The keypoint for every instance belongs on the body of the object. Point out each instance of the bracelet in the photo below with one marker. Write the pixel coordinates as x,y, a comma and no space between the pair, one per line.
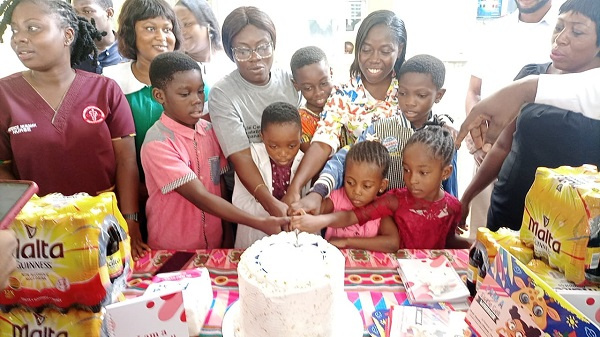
256,188
131,216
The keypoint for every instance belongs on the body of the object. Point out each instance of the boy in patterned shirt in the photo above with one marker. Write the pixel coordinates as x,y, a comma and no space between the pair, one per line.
312,77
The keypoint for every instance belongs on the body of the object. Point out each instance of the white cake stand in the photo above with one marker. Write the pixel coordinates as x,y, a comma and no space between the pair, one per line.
348,322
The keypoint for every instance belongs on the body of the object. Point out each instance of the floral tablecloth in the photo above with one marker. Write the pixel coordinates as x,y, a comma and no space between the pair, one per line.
371,279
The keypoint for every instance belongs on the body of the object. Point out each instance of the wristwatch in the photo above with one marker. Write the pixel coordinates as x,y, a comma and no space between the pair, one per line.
131,216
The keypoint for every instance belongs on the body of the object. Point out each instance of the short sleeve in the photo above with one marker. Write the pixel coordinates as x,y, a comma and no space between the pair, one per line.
120,121
329,127
579,92
163,163
227,122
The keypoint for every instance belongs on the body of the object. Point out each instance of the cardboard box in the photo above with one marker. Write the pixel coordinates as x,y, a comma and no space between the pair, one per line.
513,298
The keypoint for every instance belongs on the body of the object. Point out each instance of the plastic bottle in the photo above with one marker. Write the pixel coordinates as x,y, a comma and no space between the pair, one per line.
113,254
475,261
592,271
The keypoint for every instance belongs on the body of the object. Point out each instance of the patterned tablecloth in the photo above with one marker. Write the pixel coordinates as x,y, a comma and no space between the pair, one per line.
371,279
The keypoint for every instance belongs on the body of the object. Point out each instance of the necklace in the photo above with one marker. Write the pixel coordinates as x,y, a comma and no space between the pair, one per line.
198,176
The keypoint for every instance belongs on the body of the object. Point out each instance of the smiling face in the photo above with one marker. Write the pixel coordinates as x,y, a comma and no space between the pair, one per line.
416,95
314,81
574,46
195,34
282,141
153,36
183,97
38,38
423,174
363,181
256,71
377,54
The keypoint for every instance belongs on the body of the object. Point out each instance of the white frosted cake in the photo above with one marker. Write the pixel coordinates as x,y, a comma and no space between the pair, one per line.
289,290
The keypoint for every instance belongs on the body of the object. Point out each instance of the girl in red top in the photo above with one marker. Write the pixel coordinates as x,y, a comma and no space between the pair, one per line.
425,214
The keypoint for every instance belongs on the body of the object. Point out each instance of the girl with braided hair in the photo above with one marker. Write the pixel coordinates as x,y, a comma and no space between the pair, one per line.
68,130
426,215
366,167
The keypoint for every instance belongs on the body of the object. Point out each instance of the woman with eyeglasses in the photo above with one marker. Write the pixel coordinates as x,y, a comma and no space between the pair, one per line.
202,41
238,100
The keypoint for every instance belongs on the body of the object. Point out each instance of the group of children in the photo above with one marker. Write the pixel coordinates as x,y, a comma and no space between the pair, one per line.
359,215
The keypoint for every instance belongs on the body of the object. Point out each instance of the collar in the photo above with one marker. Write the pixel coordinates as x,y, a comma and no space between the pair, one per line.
548,19
201,127
112,49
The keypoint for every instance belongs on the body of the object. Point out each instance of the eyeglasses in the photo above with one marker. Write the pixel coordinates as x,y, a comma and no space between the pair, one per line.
244,54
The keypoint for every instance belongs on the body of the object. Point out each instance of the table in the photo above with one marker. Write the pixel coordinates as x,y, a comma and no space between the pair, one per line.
371,281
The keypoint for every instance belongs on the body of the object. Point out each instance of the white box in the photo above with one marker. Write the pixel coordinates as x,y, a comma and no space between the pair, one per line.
173,300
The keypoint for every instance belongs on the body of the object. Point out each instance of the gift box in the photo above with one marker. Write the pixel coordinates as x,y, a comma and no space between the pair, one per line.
514,299
175,304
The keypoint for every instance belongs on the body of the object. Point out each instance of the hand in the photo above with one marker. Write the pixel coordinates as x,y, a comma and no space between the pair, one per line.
488,118
463,227
8,264
476,127
274,225
276,208
138,247
340,243
290,197
307,223
479,156
310,204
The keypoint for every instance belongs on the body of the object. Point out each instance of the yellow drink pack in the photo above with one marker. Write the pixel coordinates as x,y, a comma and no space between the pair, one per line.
72,251
51,323
560,208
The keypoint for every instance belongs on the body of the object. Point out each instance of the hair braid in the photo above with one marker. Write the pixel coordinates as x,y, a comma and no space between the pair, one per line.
370,152
437,139
84,32
6,10
84,44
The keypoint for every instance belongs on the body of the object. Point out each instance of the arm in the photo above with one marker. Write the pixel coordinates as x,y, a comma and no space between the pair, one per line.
196,193
488,171
330,178
127,186
310,165
473,93
325,142
315,223
253,182
227,226
127,181
487,118
8,244
387,239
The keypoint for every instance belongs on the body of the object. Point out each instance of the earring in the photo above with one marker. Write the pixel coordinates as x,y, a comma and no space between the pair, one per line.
437,100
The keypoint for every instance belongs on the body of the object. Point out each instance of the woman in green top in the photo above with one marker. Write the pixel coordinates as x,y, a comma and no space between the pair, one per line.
147,28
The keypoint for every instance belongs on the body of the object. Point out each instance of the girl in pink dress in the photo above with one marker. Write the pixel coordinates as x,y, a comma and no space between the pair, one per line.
426,216
367,164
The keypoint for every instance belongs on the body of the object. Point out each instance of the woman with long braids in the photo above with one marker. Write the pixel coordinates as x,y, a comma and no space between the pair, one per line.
69,131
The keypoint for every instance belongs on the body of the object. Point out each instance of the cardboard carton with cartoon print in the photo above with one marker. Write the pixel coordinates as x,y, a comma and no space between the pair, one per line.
514,301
